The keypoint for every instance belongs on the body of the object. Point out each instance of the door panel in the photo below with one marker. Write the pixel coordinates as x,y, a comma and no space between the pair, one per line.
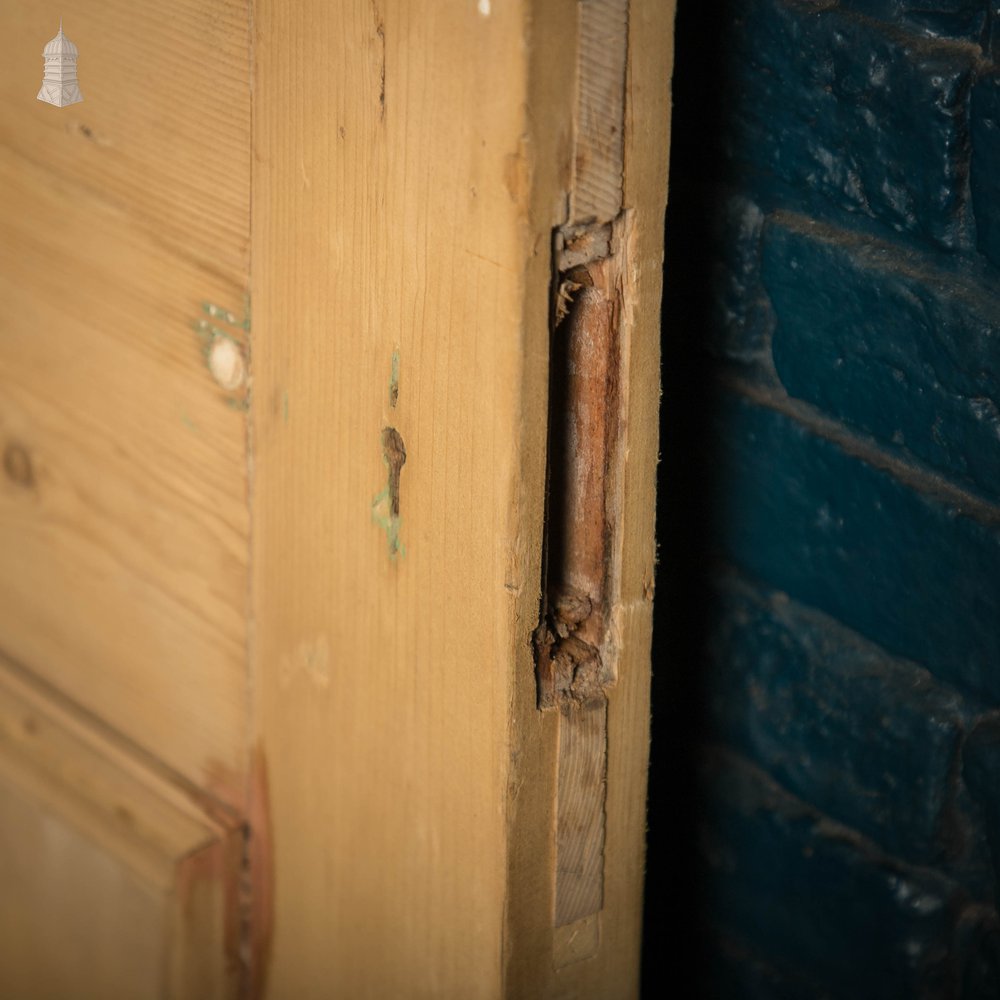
124,235
114,884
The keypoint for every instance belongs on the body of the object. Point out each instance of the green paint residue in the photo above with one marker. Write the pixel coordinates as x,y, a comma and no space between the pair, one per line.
385,506
227,316
394,379
208,333
382,516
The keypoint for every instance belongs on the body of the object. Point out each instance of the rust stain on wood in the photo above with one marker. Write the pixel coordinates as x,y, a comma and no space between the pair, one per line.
218,864
250,904
394,380
575,643
385,506
259,873
395,456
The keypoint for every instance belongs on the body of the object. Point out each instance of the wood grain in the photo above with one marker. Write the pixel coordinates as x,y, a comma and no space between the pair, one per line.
411,163
577,643
598,956
580,794
114,883
124,526
390,243
596,194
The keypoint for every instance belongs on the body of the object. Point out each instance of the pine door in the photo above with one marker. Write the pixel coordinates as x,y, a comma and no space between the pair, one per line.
328,395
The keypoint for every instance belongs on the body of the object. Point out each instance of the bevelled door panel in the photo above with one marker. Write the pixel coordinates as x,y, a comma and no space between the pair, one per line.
113,883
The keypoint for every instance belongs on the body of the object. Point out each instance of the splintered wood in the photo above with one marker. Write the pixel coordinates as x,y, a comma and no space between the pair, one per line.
576,645
575,650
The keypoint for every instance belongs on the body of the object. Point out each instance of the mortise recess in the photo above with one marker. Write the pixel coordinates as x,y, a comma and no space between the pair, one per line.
576,641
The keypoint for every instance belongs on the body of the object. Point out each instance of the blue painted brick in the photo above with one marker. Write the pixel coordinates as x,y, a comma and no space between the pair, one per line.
874,338
981,769
739,326
984,174
908,570
991,36
812,897
737,973
970,858
867,739
964,19
850,117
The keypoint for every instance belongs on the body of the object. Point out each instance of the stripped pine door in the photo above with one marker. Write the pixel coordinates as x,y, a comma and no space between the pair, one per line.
328,395
124,527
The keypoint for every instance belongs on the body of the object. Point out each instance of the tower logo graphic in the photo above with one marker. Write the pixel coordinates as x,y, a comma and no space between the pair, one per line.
59,86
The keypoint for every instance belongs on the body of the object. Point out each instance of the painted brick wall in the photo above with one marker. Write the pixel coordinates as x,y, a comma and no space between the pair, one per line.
826,736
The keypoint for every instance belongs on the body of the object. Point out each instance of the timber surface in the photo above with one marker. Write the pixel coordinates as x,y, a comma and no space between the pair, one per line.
124,526
580,794
598,956
410,167
114,883
599,155
410,162
389,249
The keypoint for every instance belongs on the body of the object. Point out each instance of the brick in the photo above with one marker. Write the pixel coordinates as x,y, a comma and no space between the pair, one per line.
739,325
814,899
981,769
875,338
911,571
971,860
848,118
984,177
991,36
870,740
964,19
735,971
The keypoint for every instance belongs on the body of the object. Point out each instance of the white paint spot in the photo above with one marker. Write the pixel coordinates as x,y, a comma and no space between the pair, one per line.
225,362
310,658
484,7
